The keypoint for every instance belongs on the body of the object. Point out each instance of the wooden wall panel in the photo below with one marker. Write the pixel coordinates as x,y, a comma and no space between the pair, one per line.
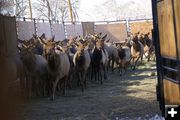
88,28
142,27
116,32
171,93
10,35
166,29
2,39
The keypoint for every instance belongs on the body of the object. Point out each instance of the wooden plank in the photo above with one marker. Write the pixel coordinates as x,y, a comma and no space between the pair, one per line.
116,32
2,39
171,93
177,16
166,29
142,27
10,35
88,28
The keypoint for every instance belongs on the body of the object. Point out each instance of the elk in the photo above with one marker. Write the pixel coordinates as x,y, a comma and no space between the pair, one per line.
137,51
81,62
36,70
58,65
99,59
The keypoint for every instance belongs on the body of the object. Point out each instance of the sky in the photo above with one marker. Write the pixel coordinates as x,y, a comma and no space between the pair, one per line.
99,10
112,10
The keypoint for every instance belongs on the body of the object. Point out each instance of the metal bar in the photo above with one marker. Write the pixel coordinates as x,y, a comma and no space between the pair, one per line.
170,79
123,20
170,69
159,1
169,58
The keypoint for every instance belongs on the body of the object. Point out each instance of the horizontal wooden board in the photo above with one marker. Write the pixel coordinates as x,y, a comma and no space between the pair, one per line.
171,93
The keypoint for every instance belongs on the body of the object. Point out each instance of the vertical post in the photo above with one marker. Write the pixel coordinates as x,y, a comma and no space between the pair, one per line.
127,26
30,9
35,26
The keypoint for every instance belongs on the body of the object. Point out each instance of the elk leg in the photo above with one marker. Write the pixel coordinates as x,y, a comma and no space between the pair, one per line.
112,67
65,82
85,77
81,82
54,88
136,63
105,72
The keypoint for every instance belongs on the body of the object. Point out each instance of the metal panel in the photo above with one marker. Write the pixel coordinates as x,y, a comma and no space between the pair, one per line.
58,31
116,32
74,30
44,28
25,29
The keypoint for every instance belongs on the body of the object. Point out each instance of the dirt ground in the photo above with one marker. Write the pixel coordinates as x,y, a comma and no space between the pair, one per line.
132,96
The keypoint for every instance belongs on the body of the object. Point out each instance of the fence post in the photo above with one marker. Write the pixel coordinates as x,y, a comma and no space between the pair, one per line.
128,30
35,26
50,23
64,27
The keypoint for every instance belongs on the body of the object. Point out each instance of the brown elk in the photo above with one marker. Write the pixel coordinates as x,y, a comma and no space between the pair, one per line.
137,51
36,71
58,65
124,57
81,62
99,59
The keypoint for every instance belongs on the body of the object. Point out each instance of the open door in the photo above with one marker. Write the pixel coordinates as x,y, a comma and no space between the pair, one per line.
166,22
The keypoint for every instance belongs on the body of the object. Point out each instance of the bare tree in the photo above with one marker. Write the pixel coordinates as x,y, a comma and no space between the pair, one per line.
54,9
6,7
20,8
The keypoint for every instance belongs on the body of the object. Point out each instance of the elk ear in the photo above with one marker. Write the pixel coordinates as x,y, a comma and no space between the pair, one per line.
34,36
108,40
104,37
58,42
19,48
43,36
42,41
86,43
25,46
20,41
99,34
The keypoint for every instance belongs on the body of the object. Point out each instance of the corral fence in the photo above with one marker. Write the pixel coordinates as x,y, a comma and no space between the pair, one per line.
23,28
116,30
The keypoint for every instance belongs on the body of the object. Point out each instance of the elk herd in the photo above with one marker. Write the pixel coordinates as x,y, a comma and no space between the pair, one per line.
45,66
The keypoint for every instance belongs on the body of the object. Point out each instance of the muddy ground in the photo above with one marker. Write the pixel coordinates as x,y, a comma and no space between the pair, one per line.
132,96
